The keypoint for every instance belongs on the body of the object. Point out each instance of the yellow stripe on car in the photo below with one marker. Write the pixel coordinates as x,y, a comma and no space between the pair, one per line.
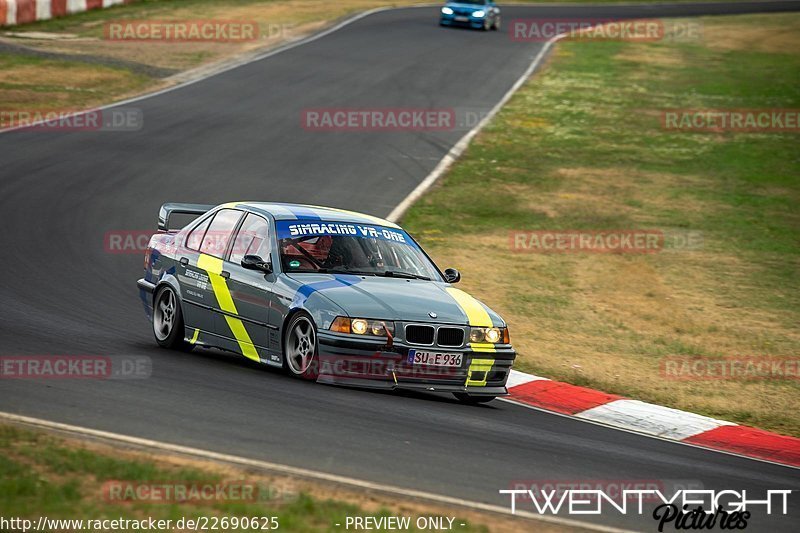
194,337
479,365
483,347
213,266
476,314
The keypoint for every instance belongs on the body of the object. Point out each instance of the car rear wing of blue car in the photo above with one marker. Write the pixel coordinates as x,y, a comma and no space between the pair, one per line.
169,209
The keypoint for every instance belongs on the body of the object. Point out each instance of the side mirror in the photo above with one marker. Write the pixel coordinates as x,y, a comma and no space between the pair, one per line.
254,262
451,275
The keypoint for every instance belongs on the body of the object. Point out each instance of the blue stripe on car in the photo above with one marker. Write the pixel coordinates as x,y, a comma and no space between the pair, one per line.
305,291
303,212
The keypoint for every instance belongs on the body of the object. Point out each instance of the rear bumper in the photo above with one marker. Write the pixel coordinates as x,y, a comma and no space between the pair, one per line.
369,363
146,289
145,285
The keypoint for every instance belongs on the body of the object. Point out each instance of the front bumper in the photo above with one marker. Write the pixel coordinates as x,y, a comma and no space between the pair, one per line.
368,362
461,20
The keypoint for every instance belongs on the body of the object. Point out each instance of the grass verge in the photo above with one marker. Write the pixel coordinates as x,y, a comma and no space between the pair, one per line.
581,146
66,479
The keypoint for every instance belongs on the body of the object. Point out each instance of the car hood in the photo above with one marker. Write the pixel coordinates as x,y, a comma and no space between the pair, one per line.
393,299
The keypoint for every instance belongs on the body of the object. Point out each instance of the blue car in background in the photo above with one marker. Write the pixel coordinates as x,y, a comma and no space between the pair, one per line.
478,14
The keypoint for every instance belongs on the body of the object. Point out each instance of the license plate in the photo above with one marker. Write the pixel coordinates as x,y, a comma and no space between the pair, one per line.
462,19
419,357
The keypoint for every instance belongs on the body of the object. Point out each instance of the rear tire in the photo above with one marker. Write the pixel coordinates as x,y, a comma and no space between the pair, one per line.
301,348
463,397
168,320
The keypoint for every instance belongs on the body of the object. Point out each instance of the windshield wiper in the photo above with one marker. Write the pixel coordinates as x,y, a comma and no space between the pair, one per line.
345,270
405,275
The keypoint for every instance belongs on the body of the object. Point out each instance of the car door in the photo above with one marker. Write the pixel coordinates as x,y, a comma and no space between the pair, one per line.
218,304
252,290
196,290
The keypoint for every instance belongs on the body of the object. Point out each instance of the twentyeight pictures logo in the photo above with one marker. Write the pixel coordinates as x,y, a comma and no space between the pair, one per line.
683,509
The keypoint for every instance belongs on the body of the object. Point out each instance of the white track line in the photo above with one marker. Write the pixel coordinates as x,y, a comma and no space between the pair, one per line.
458,149
295,471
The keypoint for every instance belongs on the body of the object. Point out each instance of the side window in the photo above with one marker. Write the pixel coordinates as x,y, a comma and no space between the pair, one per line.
216,239
195,238
252,239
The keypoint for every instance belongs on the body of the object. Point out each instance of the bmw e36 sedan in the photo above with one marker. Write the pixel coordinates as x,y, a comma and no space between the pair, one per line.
326,294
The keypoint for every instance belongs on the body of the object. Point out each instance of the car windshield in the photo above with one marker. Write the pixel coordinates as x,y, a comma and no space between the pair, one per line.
473,2
313,246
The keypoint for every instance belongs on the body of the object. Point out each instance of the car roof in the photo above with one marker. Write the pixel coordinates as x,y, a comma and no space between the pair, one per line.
285,211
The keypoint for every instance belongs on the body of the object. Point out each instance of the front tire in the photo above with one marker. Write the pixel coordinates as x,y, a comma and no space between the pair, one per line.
300,347
463,397
168,320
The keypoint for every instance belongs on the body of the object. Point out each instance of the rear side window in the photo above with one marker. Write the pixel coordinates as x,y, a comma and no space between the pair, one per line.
252,239
216,239
195,238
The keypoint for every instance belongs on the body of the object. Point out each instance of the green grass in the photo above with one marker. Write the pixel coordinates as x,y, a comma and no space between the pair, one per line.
581,146
41,475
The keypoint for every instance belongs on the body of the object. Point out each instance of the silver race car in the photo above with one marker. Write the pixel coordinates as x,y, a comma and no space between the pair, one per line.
331,295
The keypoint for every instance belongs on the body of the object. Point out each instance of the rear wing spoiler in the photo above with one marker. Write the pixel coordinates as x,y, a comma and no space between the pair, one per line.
169,209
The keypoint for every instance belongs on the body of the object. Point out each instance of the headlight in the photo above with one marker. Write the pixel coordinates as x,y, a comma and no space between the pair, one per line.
478,14
447,11
490,335
363,326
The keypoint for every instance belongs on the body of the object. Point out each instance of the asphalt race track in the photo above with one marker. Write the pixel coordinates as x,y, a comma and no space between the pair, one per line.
237,136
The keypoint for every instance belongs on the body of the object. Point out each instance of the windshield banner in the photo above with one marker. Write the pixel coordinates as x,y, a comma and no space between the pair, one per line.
293,229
